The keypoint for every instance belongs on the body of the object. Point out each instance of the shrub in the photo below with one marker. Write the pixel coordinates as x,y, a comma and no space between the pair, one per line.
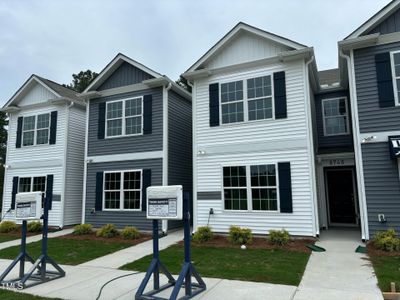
107,231
34,226
240,236
130,233
7,226
387,240
82,229
278,237
203,234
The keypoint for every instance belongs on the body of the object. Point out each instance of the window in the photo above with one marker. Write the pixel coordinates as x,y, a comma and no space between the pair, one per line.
122,190
35,130
395,60
32,184
250,188
335,116
124,117
255,104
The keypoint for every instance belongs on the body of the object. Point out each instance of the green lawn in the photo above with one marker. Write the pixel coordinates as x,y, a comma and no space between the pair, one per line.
69,251
387,269
9,295
274,266
6,238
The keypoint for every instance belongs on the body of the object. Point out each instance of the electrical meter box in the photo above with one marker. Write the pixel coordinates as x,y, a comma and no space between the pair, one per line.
28,206
164,202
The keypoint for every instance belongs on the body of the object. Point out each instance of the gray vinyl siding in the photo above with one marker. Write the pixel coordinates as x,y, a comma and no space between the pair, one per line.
126,144
328,144
382,187
126,74
389,25
372,118
119,218
179,145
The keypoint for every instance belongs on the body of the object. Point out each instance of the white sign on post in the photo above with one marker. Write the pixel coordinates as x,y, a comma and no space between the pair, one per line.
164,202
28,206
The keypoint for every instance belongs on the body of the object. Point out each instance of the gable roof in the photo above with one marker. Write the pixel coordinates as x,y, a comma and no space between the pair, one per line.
114,65
240,27
58,90
375,19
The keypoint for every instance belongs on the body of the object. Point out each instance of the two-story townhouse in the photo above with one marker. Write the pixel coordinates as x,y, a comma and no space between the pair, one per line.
138,134
45,148
370,59
253,153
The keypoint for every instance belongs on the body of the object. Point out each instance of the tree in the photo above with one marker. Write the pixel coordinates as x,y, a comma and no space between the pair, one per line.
182,82
81,80
3,150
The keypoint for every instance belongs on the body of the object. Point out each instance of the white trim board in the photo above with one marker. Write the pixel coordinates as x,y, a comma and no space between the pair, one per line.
124,157
377,137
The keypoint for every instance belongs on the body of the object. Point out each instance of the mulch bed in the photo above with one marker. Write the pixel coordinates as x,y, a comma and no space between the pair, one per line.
219,241
118,239
18,232
373,251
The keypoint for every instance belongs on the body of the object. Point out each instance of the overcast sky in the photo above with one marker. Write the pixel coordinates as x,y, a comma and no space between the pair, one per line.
57,38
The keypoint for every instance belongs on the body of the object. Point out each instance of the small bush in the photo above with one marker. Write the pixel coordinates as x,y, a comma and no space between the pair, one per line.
278,237
82,229
107,231
34,226
7,226
130,233
387,240
240,236
203,234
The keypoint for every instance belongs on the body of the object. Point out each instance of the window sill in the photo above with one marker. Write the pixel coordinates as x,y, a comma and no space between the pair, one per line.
35,146
121,210
268,212
122,136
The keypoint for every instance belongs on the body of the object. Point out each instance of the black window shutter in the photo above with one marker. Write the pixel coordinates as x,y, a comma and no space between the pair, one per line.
146,183
102,121
214,104
53,127
285,187
14,192
147,114
99,191
19,132
384,79
49,189
280,95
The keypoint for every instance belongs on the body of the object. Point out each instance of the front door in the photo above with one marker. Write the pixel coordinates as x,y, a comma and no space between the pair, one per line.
340,194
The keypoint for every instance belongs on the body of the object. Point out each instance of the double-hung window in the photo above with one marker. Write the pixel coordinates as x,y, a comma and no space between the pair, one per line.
259,96
32,184
232,104
124,117
395,61
35,130
335,116
250,188
122,190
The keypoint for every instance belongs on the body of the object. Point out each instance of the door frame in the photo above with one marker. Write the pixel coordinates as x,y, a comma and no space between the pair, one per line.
355,196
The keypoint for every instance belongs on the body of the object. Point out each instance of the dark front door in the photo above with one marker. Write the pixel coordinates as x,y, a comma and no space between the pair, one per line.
340,192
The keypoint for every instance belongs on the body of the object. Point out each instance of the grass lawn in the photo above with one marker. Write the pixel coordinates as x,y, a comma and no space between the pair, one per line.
71,250
10,295
262,265
387,270
6,237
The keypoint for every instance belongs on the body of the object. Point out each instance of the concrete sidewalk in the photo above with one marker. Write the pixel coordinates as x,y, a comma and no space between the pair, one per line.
340,272
35,238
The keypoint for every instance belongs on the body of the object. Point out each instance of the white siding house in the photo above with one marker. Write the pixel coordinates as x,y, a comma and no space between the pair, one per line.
253,156
46,137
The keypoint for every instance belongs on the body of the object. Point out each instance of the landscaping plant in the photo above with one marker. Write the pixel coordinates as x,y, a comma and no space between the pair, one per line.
82,229
34,226
7,226
387,240
240,236
107,231
130,233
203,234
278,237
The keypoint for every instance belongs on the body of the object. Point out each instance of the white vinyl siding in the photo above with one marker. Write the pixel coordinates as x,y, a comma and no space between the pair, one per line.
335,116
395,63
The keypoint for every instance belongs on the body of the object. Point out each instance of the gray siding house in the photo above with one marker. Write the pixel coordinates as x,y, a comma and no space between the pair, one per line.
138,134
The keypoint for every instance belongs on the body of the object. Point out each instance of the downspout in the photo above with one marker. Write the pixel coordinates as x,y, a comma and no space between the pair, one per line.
357,147
311,145
85,162
64,186
165,145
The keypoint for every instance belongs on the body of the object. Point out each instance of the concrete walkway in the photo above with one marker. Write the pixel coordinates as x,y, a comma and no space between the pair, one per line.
338,273
35,238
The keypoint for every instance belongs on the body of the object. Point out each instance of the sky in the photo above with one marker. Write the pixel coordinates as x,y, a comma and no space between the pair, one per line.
54,39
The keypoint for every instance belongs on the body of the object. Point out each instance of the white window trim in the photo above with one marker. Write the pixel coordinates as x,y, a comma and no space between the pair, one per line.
249,188
121,191
394,81
123,117
246,100
35,131
31,185
347,116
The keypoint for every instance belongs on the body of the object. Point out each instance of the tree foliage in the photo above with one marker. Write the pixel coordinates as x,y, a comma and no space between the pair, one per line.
3,150
182,82
82,80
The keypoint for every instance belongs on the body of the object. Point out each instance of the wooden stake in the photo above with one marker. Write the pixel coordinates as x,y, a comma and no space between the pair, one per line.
393,287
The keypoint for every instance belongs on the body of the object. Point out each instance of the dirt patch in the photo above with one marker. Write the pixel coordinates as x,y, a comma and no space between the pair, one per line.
92,237
219,241
373,251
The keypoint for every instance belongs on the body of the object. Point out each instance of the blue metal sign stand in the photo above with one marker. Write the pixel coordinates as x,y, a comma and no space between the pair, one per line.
42,275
